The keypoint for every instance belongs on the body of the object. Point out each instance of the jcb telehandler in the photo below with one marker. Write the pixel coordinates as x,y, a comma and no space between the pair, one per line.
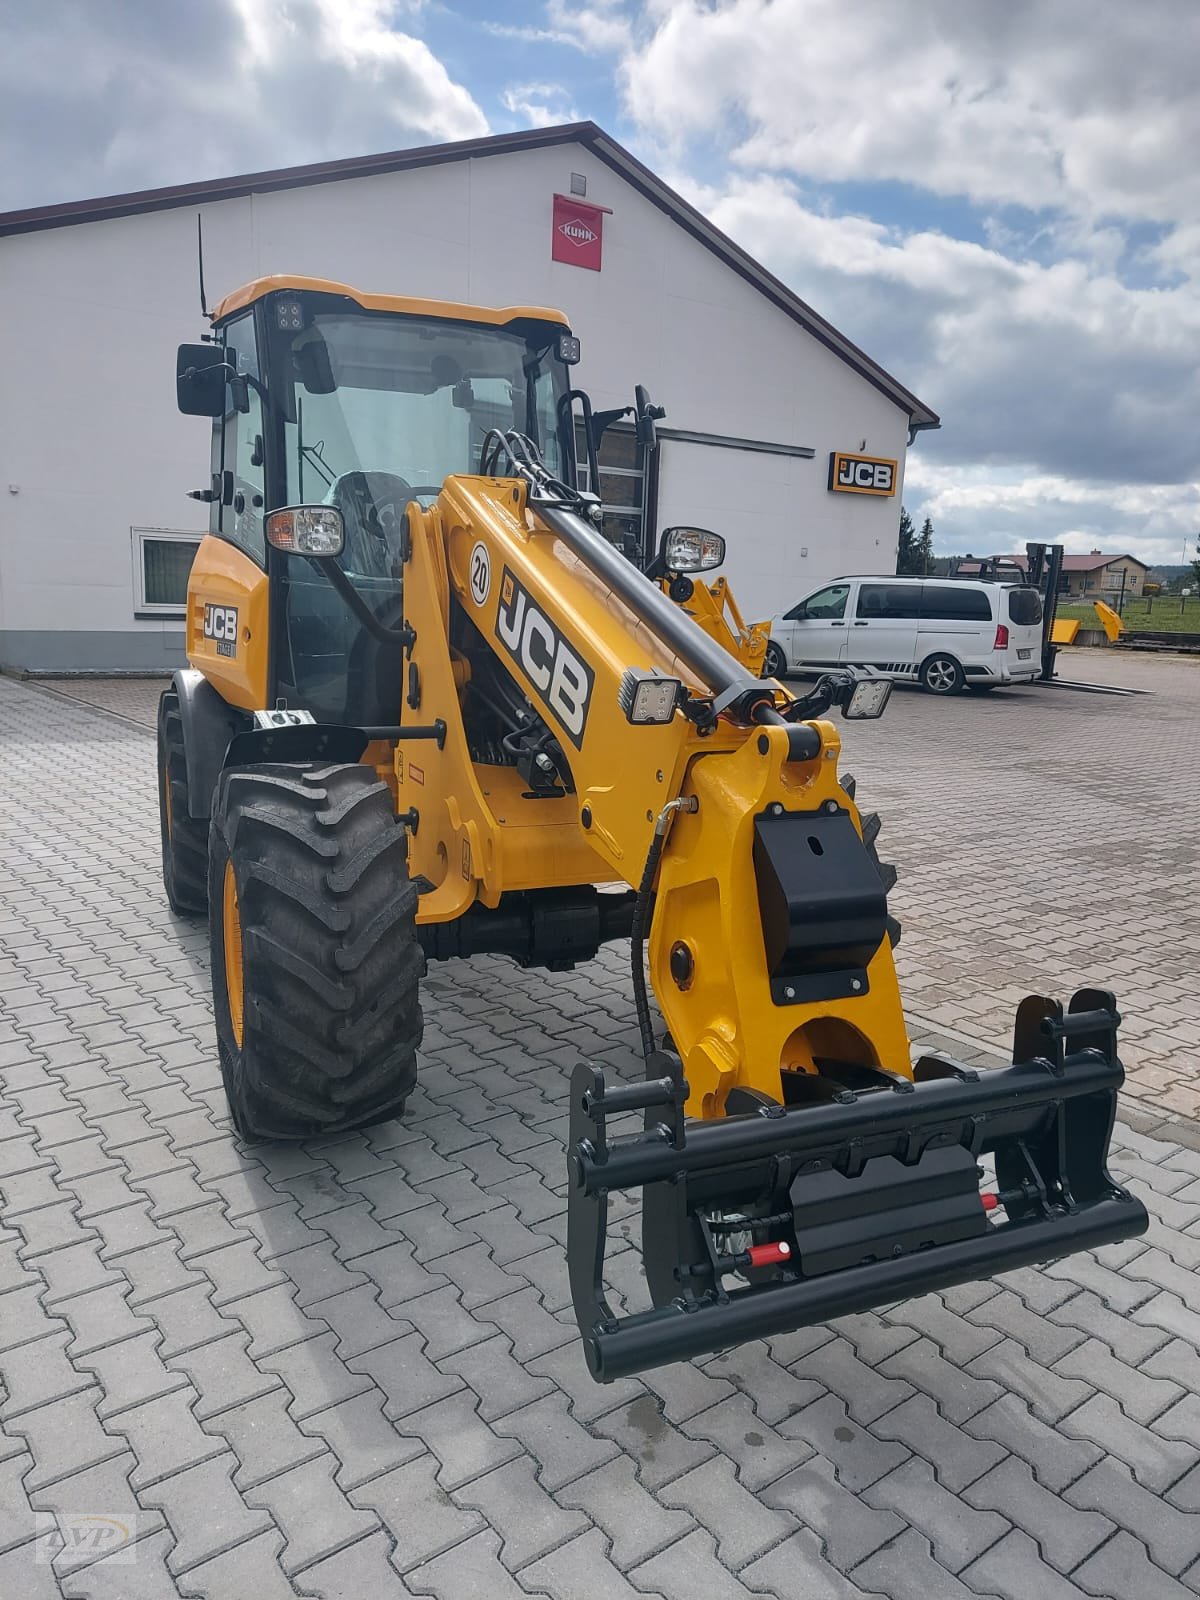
432,711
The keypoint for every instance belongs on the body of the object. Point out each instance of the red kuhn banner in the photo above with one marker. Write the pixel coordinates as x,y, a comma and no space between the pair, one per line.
578,235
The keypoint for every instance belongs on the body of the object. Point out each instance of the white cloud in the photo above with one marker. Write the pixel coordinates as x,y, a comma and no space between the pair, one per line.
204,88
539,105
991,511
601,28
1085,105
1060,367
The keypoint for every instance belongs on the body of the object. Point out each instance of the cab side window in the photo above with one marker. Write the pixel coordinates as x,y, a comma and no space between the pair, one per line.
242,448
827,605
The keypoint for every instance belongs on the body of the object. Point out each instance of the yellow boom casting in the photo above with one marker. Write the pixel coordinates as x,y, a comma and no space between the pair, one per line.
431,711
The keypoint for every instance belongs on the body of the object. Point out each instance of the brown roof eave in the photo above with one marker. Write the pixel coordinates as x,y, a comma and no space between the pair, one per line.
106,207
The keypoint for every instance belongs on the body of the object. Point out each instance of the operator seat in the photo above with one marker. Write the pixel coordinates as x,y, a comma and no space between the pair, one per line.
372,506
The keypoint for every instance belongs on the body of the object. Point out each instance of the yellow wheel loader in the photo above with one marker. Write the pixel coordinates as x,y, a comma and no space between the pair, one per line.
432,712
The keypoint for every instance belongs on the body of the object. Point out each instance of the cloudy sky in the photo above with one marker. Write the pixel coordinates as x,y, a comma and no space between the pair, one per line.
998,199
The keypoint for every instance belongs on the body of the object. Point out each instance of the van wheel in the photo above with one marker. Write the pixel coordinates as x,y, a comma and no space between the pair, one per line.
775,662
941,675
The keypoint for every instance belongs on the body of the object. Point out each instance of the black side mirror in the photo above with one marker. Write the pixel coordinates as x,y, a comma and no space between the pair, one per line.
646,415
200,374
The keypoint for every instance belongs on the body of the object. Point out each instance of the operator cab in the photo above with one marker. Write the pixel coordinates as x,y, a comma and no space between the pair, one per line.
320,395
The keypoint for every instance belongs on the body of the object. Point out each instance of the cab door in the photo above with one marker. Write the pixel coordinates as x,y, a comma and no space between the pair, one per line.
814,632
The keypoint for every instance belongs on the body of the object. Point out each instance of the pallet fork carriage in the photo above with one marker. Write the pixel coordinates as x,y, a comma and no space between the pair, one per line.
435,713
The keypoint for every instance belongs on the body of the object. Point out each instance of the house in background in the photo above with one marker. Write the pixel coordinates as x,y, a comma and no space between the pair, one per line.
1095,576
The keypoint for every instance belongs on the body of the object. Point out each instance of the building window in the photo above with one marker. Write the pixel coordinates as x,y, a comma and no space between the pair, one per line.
162,560
624,489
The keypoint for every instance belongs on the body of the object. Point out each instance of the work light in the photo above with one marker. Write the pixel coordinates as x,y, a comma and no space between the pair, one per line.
645,697
868,699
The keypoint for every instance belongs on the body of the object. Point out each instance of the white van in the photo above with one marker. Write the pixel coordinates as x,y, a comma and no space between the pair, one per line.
943,633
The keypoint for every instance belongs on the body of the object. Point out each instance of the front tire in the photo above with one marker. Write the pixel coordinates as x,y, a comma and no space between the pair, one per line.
942,675
315,961
774,662
184,837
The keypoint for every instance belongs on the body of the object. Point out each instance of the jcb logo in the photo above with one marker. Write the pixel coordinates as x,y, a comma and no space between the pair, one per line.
221,625
861,474
561,677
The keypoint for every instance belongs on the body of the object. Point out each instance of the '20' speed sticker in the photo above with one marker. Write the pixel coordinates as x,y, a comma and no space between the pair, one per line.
481,574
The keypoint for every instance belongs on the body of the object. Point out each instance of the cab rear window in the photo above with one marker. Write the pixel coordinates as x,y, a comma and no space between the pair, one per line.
1024,607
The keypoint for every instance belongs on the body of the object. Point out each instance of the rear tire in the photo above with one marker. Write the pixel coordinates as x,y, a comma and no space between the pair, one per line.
184,837
941,675
774,662
315,961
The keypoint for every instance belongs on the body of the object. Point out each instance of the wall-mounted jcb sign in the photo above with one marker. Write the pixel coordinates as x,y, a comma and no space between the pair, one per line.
861,474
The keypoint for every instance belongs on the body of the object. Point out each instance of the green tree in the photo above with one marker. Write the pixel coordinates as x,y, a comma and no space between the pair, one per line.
925,547
906,554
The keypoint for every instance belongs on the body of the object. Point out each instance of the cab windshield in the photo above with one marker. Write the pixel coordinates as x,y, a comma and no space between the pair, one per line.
383,407
372,411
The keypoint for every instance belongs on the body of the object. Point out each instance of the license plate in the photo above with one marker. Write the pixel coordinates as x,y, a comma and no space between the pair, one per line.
1024,655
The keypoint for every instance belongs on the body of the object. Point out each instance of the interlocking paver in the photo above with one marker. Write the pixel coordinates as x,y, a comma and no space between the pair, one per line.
1122,1567
297,1315
249,1571
743,1526
472,1567
65,1437
957,1535
311,1511
632,1518
222,1374
797,1570
164,1436
148,1577
362,1438
581,1570
908,1570
263,1437
130,1372
204,1511
1155,1461
849,1527
33,1373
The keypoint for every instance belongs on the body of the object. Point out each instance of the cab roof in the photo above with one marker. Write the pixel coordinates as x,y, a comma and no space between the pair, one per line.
499,317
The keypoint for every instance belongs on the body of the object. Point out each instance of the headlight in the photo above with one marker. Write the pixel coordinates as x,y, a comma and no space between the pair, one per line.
307,530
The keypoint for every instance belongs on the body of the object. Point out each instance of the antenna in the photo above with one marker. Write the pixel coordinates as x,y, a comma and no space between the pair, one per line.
200,261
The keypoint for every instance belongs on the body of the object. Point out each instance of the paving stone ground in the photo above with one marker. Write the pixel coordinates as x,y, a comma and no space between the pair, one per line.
349,1369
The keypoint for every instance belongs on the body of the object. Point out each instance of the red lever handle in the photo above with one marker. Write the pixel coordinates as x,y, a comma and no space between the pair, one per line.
769,1255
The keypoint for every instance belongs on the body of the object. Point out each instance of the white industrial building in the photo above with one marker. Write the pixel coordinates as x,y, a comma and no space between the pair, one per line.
763,397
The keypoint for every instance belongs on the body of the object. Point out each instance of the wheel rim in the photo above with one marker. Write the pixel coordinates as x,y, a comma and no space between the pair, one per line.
231,923
775,661
940,675
166,789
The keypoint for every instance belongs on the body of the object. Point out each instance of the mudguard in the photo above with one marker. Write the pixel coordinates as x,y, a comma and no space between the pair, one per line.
209,724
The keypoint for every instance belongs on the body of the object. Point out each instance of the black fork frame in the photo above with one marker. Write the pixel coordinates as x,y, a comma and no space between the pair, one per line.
1047,1119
